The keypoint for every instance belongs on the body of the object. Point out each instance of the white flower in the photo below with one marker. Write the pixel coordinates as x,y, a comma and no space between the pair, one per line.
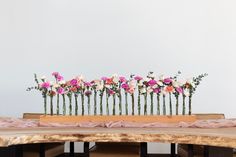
62,82
191,82
155,86
132,83
163,92
80,78
115,79
51,83
159,83
177,83
149,90
143,90
99,87
147,79
140,83
108,86
43,77
56,85
114,75
161,77
151,75
186,92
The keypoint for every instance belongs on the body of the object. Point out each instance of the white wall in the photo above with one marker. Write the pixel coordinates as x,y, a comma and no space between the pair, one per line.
101,37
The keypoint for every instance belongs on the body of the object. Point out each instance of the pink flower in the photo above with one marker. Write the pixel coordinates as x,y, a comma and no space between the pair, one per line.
122,79
138,78
87,84
60,90
73,82
157,90
45,85
125,86
179,90
152,82
167,80
55,74
104,78
111,92
59,78
131,90
88,93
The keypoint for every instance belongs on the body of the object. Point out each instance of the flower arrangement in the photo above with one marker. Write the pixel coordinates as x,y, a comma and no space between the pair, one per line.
151,92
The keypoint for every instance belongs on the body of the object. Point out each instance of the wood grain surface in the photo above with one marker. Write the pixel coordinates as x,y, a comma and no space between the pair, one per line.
224,137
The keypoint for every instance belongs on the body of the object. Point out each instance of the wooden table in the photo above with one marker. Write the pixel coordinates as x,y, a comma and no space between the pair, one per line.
221,137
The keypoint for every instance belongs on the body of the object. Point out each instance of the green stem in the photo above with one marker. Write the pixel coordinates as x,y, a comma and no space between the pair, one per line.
76,104
58,108
64,104
177,105
164,104
95,102
51,105
120,103
139,103
88,105
114,104
101,109
151,96
158,104
183,112
107,101
70,105
190,105
82,102
170,103
45,104
126,103
145,104
132,98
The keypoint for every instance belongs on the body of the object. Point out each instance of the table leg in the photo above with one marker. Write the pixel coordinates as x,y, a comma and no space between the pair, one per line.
143,151
206,151
172,150
41,150
190,150
18,151
86,149
72,149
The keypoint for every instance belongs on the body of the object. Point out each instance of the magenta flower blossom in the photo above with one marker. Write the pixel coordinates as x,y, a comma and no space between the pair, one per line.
122,79
111,92
156,90
55,74
104,78
73,82
45,85
179,90
59,78
138,78
60,90
87,84
125,86
152,82
88,93
167,80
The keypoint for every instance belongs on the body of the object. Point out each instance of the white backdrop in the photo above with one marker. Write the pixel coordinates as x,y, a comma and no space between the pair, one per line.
102,37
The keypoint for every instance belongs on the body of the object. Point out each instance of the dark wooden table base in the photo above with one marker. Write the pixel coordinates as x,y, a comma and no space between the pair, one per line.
209,151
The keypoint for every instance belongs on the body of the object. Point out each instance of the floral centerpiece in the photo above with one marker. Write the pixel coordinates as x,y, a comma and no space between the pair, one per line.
117,95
